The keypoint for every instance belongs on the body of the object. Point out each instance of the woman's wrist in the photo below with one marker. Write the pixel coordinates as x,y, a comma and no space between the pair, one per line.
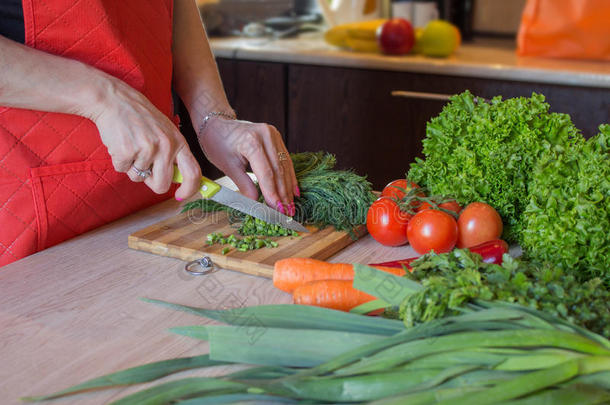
228,114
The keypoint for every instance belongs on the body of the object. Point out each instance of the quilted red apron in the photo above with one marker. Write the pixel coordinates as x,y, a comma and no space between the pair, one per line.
56,177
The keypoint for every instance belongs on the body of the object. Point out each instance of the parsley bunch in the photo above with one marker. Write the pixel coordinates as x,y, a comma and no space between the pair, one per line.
458,278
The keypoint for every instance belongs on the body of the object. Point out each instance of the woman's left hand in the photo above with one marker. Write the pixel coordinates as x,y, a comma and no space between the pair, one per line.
231,144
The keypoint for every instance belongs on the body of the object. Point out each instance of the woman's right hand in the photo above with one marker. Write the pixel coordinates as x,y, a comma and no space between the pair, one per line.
138,135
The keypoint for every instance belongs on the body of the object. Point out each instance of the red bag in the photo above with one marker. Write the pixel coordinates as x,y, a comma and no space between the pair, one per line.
574,29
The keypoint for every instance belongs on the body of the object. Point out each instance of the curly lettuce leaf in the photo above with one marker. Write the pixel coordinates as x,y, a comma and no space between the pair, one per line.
567,219
486,151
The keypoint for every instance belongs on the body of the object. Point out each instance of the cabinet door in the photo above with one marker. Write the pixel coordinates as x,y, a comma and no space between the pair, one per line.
256,90
352,114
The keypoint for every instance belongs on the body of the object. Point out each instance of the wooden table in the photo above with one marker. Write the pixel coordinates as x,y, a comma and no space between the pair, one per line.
72,312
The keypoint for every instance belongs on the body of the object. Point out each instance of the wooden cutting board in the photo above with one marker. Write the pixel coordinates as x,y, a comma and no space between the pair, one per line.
184,237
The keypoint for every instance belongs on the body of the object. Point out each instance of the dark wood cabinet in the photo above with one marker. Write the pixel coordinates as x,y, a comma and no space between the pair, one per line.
351,112
256,90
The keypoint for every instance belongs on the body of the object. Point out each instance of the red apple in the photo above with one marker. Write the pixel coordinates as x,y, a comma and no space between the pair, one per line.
396,36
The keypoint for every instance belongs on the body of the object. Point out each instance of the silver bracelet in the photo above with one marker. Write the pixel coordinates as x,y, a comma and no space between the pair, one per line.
222,114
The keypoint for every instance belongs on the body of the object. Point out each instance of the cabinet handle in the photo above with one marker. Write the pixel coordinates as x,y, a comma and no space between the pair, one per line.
429,96
417,94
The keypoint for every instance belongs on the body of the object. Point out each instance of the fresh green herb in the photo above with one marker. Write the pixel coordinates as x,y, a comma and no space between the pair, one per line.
452,280
478,151
567,220
328,197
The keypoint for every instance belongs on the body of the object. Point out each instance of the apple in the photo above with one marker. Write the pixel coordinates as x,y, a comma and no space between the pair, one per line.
396,36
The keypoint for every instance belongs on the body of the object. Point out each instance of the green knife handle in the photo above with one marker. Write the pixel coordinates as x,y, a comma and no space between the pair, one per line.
208,187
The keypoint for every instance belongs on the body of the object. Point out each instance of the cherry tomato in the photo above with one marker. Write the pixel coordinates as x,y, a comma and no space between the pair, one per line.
386,223
478,223
392,189
432,230
449,205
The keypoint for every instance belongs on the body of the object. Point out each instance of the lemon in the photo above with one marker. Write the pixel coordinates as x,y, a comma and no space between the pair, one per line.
439,38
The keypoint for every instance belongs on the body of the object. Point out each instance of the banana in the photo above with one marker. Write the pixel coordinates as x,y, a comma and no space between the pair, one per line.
360,36
365,30
362,45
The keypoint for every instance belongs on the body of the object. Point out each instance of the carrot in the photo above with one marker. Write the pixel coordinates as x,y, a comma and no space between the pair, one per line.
292,272
334,294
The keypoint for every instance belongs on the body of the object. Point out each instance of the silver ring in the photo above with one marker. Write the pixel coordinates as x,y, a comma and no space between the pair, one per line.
142,173
282,156
205,263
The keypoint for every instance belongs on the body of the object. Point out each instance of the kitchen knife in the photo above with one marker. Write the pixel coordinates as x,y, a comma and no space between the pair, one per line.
225,196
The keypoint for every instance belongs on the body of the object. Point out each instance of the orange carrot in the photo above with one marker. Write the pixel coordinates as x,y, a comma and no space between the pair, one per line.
292,272
334,294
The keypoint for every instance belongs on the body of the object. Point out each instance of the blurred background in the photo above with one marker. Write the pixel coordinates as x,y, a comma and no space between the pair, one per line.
474,18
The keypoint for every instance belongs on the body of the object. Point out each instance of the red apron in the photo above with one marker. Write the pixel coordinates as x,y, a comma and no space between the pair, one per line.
56,177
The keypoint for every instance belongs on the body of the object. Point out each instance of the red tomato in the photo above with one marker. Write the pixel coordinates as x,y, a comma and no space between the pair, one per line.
432,230
478,223
386,223
392,189
449,205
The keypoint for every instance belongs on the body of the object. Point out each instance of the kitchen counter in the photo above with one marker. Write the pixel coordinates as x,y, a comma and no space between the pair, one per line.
482,59
72,312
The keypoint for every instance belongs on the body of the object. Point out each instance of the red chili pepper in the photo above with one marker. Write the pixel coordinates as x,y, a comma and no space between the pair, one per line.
491,252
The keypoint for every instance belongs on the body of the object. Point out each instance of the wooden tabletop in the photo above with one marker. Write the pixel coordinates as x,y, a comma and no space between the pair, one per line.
72,312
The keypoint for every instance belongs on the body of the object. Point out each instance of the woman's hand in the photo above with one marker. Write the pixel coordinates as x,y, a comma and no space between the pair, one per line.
231,144
138,135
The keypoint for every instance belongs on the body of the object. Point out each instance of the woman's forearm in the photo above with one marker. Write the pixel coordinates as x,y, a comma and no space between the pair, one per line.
37,80
133,130
196,77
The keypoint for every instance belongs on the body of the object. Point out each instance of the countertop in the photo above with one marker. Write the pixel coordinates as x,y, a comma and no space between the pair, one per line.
490,59
72,312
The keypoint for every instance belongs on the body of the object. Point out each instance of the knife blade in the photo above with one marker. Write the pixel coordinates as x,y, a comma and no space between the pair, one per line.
225,196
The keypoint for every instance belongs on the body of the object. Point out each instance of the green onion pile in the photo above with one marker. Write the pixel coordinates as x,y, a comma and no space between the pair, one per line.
243,245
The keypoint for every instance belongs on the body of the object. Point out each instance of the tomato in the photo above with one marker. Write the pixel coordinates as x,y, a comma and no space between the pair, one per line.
432,230
392,191
478,223
386,223
449,205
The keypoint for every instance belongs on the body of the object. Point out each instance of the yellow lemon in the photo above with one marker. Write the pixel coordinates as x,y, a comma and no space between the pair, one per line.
439,38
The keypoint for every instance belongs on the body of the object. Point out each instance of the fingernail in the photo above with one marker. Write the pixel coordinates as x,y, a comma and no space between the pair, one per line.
179,199
297,191
280,207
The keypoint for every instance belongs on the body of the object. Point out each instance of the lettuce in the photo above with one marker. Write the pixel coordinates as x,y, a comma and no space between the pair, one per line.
567,219
486,151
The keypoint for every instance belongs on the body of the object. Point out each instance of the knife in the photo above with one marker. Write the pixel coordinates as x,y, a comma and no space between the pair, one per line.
225,196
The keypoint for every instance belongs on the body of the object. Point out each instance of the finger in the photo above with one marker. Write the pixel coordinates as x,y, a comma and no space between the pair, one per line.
292,177
254,152
143,161
191,174
244,183
122,162
283,179
162,174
